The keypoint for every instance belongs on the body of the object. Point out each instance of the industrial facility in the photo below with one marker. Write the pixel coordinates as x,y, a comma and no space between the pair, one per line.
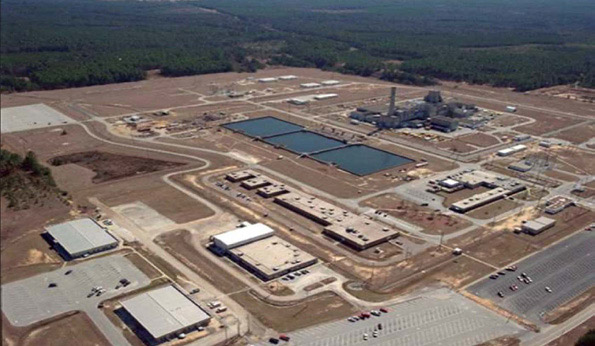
432,112
499,186
358,231
80,238
258,250
163,314
271,257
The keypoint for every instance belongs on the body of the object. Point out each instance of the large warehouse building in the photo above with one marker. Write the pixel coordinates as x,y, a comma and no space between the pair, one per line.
80,238
241,236
164,313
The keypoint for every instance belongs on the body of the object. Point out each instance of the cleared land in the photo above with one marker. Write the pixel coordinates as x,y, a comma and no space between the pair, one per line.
108,166
432,222
76,329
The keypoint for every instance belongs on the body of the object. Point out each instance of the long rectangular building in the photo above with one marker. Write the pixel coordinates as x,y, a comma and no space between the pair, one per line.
479,200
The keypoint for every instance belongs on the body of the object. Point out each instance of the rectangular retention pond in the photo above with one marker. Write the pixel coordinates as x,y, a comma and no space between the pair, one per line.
305,142
358,159
263,127
361,159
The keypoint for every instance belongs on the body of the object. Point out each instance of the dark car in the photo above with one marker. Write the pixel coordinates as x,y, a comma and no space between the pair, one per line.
68,272
493,276
53,284
274,341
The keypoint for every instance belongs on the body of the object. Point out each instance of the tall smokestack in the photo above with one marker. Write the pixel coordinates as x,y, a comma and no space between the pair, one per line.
391,107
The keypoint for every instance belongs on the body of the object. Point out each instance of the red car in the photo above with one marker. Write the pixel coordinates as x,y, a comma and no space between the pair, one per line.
284,337
383,310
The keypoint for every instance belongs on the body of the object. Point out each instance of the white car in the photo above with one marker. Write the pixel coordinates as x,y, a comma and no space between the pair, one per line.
366,336
375,334
548,290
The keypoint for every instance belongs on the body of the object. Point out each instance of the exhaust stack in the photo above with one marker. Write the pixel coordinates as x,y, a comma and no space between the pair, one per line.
391,107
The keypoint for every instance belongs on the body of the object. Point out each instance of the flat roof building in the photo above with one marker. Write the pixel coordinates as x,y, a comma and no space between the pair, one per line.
360,233
240,175
558,203
479,200
288,77
363,231
330,82
80,238
310,85
272,190
325,96
449,183
271,258
538,225
255,183
267,80
241,236
512,150
165,312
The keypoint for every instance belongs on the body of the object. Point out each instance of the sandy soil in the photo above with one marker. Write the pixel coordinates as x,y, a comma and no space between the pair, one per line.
431,221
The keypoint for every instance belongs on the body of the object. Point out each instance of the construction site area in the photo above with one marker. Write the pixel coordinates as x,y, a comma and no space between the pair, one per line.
240,208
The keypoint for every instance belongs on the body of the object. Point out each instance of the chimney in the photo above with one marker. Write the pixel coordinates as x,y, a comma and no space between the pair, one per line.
391,107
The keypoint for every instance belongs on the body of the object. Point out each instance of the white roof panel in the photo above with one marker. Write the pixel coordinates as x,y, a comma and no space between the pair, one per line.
164,311
80,235
243,234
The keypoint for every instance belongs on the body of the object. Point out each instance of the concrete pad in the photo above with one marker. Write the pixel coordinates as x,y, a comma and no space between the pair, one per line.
144,216
22,118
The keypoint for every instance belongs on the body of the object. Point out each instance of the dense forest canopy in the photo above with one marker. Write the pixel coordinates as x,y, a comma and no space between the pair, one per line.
524,44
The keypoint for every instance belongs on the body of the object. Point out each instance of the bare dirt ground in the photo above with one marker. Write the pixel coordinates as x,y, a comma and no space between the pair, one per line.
479,139
508,120
498,245
432,222
572,336
452,272
495,247
577,135
67,329
27,255
108,166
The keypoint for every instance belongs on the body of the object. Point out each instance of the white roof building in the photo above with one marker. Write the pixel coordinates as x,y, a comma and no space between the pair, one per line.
330,82
325,96
80,237
267,80
288,77
310,85
241,236
165,311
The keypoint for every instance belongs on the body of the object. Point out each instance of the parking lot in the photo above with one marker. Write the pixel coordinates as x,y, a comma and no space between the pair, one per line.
33,299
440,318
567,268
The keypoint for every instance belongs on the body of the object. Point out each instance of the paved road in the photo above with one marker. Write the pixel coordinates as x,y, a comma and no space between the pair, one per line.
440,318
568,268
31,300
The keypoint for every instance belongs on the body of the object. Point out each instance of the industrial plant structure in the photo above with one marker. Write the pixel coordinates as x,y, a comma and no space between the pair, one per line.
432,111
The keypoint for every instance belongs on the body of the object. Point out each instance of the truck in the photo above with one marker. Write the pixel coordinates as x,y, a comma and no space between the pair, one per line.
511,109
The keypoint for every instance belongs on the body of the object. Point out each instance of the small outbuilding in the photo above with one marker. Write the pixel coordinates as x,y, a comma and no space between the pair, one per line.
538,225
